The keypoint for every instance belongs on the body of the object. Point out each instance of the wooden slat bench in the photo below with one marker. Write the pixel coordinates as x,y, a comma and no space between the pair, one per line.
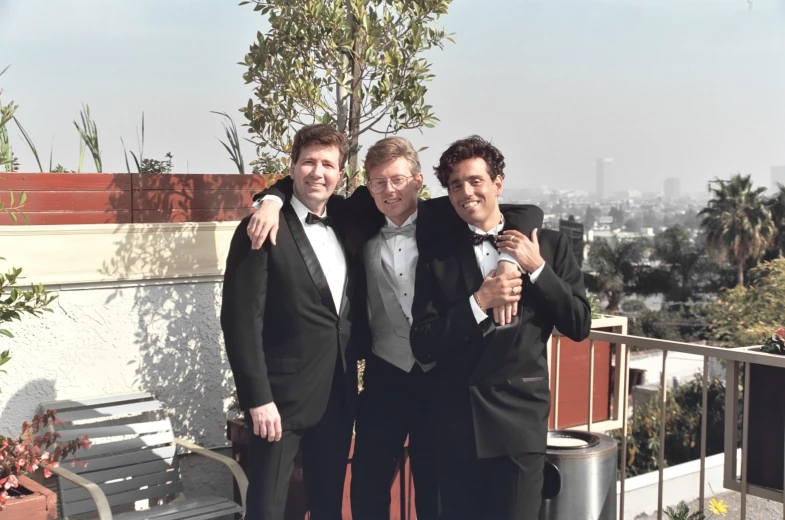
133,458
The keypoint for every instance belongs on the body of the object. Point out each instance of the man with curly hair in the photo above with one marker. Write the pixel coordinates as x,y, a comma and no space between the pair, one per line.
491,396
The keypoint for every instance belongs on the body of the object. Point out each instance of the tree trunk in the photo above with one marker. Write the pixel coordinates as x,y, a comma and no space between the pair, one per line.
740,279
354,111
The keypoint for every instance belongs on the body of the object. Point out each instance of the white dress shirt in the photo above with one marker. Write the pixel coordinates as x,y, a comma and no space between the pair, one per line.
328,251
487,259
399,258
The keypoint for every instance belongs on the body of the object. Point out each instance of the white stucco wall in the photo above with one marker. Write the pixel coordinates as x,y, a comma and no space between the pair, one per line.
163,336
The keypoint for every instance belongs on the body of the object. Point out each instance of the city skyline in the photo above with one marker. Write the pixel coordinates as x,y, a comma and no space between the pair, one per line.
668,88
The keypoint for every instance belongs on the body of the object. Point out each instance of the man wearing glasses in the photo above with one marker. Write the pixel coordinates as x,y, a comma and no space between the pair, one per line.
397,388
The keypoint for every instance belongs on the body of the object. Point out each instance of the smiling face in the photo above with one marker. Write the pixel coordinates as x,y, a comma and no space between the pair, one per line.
474,195
316,174
397,205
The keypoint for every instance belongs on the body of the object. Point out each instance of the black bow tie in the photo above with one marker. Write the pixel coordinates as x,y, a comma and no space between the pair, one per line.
310,218
478,239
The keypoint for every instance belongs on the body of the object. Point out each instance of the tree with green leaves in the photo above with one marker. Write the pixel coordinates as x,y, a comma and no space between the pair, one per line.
615,268
738,223
746,315
356,64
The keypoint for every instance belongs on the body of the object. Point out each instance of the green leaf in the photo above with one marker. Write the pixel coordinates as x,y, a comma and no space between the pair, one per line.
5,332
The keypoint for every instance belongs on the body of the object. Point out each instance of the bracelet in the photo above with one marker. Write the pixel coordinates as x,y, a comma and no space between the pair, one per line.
477,301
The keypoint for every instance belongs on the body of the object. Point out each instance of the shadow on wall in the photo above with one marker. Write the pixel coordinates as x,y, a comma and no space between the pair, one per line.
178,331
23,404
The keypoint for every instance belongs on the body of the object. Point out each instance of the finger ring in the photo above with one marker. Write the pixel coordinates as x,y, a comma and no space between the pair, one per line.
515,290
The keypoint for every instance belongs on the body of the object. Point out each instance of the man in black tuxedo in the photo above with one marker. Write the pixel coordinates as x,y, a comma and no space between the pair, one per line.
294,320
491,395
394,402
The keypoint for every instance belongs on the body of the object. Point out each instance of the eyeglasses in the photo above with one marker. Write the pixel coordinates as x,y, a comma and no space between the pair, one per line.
398,182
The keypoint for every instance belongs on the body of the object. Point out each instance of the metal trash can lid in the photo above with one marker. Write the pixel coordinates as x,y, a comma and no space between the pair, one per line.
577,443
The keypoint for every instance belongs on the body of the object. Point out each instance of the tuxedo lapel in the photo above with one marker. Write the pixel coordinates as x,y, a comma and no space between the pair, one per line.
309,257
472,275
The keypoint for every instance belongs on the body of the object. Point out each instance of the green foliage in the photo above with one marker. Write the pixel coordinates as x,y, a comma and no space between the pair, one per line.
268,164
594,305
156,166
15,302
424,192
682,512
682,427
138,159
744,315
88,133
356,64
30,143
615,268
235,154
738,222
674,323
62,169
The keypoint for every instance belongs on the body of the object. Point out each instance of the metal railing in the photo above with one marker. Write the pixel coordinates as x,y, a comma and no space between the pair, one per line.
734,359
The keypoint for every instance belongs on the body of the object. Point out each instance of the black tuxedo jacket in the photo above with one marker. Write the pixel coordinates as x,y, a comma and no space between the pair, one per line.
492,396
282,331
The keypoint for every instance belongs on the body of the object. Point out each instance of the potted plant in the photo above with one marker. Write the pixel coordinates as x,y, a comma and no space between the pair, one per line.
767,412
36,447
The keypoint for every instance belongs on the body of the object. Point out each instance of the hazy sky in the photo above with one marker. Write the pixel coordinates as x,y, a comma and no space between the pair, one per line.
685,88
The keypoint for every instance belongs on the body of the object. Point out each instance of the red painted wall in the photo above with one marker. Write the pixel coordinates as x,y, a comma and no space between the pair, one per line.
103,198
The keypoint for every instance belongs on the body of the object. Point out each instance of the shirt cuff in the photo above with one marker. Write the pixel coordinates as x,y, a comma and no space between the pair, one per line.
536,274
479,315
275,198
507,257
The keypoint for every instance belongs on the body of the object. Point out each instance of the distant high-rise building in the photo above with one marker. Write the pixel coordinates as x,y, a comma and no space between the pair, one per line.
777,177
672,188
603,169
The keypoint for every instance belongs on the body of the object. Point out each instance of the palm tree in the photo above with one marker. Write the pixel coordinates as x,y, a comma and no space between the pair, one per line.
615,267
737,222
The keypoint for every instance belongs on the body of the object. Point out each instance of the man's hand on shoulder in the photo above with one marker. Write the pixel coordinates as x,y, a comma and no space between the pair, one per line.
264,223
524,249
266,422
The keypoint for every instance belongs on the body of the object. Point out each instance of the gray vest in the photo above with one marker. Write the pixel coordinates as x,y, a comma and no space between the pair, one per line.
389,325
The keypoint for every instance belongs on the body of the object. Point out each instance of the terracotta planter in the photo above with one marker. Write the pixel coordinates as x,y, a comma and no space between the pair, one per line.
401,490
34,502
766,429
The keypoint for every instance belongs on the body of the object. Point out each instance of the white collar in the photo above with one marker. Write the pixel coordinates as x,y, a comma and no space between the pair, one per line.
411,220
493,231
302,210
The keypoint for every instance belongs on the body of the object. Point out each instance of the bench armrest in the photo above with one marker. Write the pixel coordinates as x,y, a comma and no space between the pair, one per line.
102,504
237,471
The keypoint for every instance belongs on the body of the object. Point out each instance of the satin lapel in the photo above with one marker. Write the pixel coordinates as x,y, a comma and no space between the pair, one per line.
309,257
469,268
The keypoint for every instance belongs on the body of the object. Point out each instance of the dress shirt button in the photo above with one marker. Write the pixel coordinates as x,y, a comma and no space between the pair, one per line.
339,327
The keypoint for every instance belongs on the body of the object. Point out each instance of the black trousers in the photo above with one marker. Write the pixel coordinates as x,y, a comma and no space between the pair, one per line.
392,405
500,488
325,451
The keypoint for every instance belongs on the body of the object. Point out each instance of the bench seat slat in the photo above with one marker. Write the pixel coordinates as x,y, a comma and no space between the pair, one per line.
85,506
124,472
66,404
127,459
136,408
204,507
76,494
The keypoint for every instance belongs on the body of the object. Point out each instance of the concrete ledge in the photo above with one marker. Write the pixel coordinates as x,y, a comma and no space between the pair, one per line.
90,253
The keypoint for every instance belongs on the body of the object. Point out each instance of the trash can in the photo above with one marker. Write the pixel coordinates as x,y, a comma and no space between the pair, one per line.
580,477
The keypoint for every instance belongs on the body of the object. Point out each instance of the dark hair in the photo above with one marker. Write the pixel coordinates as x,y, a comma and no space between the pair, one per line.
469,148
325,135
